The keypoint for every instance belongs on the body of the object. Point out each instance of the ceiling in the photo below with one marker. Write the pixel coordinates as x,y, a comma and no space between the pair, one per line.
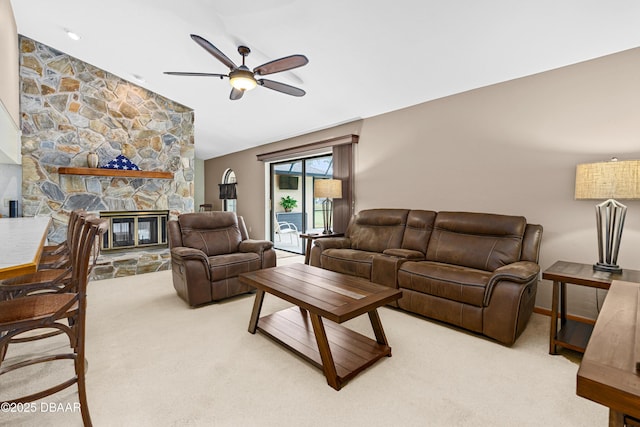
365,58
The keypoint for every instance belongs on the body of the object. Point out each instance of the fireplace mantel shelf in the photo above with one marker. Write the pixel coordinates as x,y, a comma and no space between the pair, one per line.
115,172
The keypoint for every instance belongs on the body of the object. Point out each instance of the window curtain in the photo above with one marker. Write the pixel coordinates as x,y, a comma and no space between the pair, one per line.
227,191
343,170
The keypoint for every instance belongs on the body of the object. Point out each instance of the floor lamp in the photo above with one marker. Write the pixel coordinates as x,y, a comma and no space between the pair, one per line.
609,180
328,189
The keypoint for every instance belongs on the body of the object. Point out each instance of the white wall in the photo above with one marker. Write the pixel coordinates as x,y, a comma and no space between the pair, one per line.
10,187
9,87
10,175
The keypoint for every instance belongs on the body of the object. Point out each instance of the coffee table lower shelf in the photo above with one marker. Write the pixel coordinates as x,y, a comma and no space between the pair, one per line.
351,351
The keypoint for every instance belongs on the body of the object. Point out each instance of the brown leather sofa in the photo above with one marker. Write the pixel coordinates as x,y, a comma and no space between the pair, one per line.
477,271
208,252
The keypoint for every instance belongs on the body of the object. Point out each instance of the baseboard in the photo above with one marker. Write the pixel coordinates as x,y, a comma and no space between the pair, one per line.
547,312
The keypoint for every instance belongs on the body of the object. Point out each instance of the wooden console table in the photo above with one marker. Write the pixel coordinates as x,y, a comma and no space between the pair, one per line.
609,373
573,334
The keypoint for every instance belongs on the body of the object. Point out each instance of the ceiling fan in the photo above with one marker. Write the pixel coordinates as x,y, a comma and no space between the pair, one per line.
242,78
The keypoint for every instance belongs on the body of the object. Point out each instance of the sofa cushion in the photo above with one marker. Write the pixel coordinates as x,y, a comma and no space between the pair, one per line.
348,261
451,282
214,233
476,240
231,265
375,230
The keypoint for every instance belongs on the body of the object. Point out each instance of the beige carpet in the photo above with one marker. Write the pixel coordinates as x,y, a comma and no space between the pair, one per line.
153,361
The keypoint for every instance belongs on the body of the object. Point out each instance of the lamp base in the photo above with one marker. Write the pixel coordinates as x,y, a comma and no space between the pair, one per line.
609,268
610,221
327,210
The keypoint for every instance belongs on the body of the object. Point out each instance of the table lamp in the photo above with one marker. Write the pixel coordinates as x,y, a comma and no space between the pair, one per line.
609,180
329,189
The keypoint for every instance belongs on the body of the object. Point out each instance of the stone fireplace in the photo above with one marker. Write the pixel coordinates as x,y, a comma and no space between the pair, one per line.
69,109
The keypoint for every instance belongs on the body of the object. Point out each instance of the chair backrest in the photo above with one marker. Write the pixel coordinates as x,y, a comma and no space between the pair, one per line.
86,246
73,219
214,233
285,227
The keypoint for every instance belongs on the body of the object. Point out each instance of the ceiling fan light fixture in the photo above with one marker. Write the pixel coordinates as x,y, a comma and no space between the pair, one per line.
242,79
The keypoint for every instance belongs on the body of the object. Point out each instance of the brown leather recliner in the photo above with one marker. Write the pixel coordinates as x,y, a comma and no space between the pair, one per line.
208,252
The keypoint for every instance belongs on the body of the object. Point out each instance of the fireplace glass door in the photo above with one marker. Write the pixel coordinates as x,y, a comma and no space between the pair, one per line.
148,231
123,232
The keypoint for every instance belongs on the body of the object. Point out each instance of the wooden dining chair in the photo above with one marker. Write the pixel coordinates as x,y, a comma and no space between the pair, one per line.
65,312
46,279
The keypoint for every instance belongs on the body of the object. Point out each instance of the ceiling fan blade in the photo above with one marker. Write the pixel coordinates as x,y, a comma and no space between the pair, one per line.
282,64
281,87
236,94
214,51
181,73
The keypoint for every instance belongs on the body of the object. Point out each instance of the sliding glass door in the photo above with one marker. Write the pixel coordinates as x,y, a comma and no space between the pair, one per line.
287,205
294,207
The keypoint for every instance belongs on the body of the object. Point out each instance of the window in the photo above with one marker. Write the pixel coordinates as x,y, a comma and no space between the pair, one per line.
229,177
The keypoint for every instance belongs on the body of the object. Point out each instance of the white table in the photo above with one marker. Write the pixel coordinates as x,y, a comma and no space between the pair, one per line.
21,243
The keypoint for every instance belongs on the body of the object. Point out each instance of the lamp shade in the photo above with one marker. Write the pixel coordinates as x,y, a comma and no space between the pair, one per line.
327,188
608,180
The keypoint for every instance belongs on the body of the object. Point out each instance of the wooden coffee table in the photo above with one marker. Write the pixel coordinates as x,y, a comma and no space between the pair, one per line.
340,352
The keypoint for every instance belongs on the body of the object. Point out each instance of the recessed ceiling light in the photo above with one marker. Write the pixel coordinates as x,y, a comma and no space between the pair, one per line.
138,78
71,34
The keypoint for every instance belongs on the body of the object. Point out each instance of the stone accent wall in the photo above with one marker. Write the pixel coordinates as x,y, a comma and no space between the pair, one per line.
70,108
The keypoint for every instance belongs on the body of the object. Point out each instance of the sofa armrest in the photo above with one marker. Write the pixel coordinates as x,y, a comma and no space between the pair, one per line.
407,254
257,246
191,275
332,243
521,272
186,253
322,243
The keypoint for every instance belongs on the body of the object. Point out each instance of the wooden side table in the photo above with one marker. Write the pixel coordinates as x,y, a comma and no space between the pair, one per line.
573,334
313,236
